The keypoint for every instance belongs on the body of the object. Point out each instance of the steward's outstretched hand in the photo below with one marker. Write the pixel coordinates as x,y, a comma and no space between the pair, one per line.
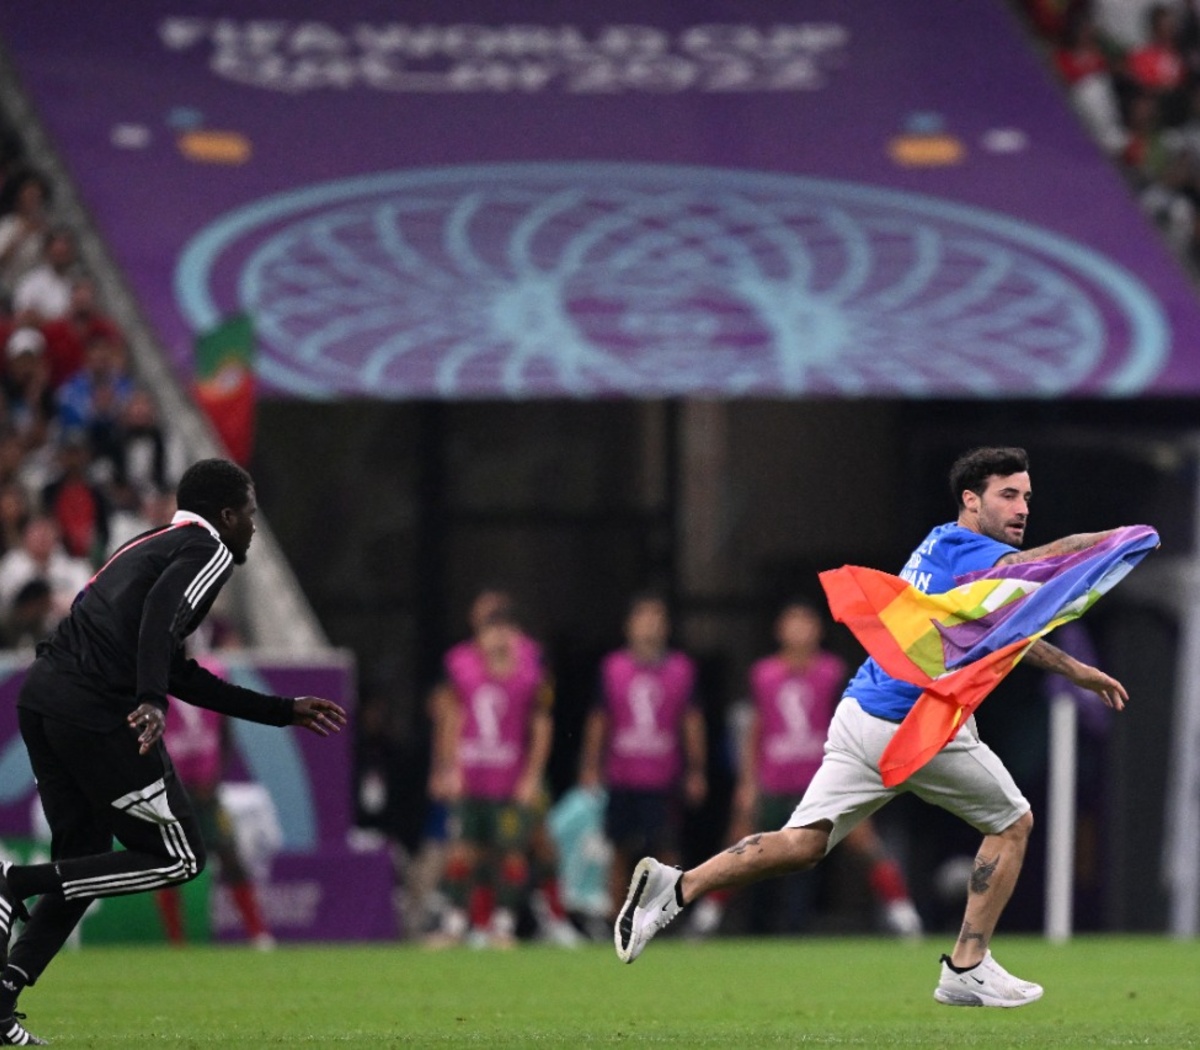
149,722
322,717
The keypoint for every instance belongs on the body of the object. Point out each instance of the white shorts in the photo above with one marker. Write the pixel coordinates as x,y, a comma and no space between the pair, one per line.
966,778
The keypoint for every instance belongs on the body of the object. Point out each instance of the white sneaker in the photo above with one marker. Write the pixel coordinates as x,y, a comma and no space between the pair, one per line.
988,984
650,905
902,919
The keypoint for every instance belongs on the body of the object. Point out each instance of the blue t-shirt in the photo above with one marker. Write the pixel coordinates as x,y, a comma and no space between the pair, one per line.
948,551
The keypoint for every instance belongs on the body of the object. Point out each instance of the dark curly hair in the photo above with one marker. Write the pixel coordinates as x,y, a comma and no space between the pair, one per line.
972,469
209,486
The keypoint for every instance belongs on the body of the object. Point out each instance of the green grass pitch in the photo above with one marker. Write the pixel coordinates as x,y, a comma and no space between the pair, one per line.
820,992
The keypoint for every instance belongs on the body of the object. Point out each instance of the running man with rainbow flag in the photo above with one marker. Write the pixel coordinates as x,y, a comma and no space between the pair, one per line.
968,605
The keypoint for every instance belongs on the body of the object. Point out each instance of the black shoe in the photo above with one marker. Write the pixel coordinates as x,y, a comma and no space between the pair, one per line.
13,1033
11,909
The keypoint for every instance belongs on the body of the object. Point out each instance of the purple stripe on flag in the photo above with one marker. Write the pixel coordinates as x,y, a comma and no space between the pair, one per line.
1064,579
962,638
1046,568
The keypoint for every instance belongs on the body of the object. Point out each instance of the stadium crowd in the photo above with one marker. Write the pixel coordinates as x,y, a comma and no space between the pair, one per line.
85,462
1131,69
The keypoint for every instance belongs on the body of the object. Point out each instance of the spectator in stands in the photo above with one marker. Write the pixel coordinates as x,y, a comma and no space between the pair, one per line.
1170,198
44,293
1049,17
644,741
14,514
1163,175
23,231
41,556
1157,65
95,396
28,396
1123,22
128,520
79,506
68,336
141,446
1153,50
12,457
1079,53
16,467
1084,67
31,617
1143,155
1185,138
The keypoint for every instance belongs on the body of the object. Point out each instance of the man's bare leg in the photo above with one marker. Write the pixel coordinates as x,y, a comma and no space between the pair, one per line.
758,856
997,865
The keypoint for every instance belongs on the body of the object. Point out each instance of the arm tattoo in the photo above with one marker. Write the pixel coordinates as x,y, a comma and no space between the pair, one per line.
1081,541
1048,657
745,844
982,873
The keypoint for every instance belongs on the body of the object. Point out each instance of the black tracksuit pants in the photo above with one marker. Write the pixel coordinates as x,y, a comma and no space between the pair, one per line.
94,786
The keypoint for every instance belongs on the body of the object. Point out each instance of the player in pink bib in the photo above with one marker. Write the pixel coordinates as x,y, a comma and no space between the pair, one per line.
492,738
794,692
196,740
644,741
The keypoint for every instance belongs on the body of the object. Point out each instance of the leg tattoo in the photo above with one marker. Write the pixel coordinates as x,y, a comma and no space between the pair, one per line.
982,873
968,933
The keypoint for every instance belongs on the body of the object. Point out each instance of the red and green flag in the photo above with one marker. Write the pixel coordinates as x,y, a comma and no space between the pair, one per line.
225,386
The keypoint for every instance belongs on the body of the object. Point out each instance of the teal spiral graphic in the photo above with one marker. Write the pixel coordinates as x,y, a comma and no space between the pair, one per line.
592,279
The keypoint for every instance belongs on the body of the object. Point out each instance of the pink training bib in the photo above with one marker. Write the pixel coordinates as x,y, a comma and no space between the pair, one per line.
794,709
646,704
494,743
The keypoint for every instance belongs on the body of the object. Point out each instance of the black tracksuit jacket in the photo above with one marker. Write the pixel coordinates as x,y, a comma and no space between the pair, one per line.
122,643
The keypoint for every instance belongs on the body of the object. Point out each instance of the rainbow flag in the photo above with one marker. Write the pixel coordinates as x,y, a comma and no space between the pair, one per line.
959,645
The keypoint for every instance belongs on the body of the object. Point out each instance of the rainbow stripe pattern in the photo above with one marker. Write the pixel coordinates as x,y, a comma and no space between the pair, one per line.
960,644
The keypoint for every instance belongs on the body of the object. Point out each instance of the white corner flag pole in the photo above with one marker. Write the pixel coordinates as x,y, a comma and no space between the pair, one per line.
1060,846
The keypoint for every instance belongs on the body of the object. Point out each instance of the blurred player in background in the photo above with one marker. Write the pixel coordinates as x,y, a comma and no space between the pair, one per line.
644,741
793,693
492,736
198,743
544,897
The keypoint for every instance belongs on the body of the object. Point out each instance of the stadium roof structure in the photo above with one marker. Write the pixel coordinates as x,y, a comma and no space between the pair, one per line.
454,199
